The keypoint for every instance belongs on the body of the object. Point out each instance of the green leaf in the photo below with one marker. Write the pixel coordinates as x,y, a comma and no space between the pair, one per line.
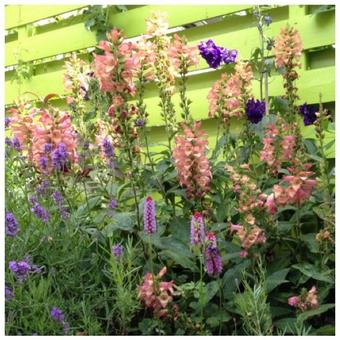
325,330
180,259
123,221
310,313
312,271
286,324
218,317
212,288
311,243
276,279
231,278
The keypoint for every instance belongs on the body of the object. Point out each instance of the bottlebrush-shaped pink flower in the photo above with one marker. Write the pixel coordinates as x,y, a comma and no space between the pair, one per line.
156,294
149,216
288,47
192,165
197,232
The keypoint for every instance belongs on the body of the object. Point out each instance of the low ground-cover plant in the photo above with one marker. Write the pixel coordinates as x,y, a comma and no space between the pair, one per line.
106,234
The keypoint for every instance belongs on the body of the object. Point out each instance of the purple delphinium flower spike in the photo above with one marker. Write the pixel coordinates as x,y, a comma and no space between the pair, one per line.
117,250
108,149
149,216
16,144
212,256
211,53
11,224
42,188
255,110
309,114
197,233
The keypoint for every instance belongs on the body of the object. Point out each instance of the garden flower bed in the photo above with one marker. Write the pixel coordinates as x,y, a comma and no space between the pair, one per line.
108,234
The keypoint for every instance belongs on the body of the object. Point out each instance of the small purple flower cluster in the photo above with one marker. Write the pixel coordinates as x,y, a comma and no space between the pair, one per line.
7,122
20,269
117,250
11,223
58,316
108,151
113,204
216,55
59,157
59,201
9,294
38,210
309,114
255,110
13,143
42,188
149,216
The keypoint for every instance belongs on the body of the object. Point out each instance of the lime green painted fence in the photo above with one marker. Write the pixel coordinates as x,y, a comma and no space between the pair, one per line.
235,30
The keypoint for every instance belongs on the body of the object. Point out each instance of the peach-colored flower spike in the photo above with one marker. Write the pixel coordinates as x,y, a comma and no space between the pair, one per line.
288,47
228,95
179,50
192,165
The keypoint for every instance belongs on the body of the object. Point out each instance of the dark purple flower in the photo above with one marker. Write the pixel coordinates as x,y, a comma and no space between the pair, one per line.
86,145
47,147
12,226
149,216
113,204
38,210
59,157
20,269
43,161
255,110
197,232
59,201
140,122
309,114
9,295
7,122
16,144
117,250
268,19
43,188
8,142
57,314
108,149
229,56
211,53
216,55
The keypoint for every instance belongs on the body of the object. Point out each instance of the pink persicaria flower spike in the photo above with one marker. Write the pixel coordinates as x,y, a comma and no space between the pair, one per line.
192,165
197,232
149,216
212,256
288,47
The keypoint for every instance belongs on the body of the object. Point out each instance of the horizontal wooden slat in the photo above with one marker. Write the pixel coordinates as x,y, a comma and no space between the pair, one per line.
314,32
18,15
44,45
